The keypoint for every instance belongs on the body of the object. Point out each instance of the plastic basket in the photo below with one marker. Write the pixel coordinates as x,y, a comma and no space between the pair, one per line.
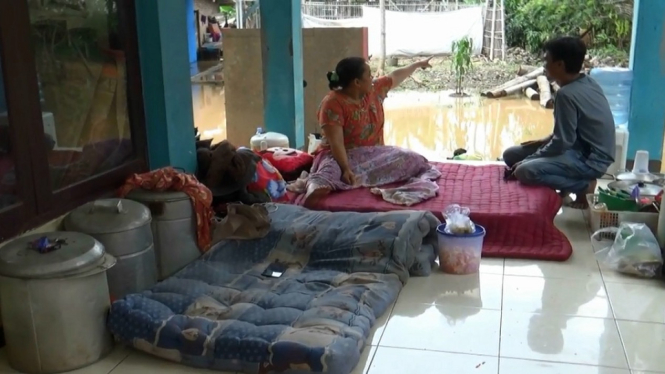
600,220
460,254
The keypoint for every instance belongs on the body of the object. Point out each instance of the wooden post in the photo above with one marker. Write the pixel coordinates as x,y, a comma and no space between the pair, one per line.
382,57
503,30
545,92
492,35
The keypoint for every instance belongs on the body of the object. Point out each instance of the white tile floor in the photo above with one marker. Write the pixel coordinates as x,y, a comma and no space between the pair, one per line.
516,316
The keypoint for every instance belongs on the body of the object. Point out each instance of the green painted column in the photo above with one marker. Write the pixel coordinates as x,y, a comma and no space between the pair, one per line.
163,49
647,59
282,54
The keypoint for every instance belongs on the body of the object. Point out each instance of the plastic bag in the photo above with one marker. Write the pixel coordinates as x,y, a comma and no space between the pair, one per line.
635,250
457,220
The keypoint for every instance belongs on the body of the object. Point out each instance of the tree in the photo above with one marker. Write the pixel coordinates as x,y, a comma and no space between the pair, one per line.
529,23
229,11
461,63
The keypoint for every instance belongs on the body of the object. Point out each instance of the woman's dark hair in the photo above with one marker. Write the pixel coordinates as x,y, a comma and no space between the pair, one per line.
346,71
570,50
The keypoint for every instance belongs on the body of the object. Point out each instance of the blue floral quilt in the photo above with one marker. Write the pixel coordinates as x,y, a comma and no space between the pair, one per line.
343,270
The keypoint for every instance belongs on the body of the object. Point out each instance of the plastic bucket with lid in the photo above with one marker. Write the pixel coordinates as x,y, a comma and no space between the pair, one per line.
460,253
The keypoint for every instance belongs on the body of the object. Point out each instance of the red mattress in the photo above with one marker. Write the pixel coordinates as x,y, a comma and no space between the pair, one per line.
519,220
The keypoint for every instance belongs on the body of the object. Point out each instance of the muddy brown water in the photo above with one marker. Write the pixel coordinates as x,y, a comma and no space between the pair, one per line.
436,124
433,124
209,111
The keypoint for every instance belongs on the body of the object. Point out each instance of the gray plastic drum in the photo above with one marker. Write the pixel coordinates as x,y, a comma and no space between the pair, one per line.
123,227
173,228
54,317
133,273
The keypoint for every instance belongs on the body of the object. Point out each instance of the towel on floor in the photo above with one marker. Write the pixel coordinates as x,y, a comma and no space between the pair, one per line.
243,222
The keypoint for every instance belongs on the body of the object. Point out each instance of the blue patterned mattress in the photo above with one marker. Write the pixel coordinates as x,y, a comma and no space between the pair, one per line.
345,270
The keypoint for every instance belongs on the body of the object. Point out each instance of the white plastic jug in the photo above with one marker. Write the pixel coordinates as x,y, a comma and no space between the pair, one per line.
261,141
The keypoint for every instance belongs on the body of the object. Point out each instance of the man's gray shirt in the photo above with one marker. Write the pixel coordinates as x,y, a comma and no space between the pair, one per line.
582,121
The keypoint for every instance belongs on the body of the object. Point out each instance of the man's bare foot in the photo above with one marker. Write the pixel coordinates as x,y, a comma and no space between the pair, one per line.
314,196
580,200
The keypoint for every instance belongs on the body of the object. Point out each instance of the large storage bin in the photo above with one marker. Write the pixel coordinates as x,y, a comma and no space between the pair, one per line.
173,228
54,304
616,84
123,227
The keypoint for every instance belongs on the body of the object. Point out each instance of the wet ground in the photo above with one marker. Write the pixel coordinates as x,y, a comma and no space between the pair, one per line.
484,74
433,124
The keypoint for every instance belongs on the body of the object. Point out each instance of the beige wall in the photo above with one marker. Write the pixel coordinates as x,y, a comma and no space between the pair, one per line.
322,49
243,84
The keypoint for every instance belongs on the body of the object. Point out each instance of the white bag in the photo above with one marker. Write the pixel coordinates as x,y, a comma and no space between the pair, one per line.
635,250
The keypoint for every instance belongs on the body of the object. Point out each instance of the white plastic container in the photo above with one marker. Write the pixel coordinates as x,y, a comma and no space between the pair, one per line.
460,254
641,165
261,141
621,154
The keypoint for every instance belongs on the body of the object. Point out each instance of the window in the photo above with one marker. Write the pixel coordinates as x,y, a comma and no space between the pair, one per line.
71,110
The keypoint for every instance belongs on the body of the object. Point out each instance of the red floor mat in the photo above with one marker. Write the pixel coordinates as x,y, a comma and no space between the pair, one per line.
519,220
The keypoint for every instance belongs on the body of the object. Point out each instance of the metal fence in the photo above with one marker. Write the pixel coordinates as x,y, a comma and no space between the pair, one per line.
336,11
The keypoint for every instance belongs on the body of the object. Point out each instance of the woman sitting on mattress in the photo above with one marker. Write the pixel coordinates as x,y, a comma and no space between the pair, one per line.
352,152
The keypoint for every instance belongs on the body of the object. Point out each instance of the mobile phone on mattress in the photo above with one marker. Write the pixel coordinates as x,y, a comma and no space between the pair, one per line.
274,270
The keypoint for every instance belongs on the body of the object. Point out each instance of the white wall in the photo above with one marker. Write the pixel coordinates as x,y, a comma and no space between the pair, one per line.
414,34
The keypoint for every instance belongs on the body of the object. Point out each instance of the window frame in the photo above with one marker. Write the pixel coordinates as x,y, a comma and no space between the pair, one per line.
38,202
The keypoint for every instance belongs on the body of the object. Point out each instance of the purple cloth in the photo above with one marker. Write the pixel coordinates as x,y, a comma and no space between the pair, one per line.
373,166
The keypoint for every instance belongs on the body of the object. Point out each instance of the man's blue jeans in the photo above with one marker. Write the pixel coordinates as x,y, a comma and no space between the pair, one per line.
567,172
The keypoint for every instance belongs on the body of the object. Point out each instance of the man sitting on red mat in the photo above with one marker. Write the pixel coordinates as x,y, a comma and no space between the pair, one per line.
582,145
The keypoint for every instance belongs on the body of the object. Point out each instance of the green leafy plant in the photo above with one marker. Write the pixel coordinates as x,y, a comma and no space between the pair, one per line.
461,63
604,23
229,11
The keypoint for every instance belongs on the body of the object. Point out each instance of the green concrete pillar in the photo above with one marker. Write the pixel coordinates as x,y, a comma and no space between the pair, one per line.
281,43
647,60
167,93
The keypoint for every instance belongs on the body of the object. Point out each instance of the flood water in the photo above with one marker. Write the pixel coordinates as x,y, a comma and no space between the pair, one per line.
433,124
209,111
208,99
